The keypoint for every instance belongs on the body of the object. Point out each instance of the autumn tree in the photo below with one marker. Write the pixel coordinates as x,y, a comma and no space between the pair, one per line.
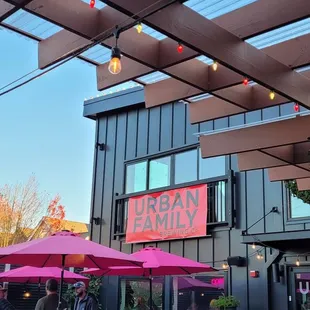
22,207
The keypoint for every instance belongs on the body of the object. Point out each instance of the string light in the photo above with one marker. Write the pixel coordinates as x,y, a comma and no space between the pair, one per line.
272,95
297,262
225,266
92,3
245,81
115,65
259,256
296,107
139,28
214,65
253,246
180,48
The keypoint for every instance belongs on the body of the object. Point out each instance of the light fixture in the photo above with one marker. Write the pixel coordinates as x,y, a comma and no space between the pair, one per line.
245,81
139,28
87,238
27,294
115,66
297,262
225,266
92,3
253,246
272,95
214,65
180,48
296,107
259,256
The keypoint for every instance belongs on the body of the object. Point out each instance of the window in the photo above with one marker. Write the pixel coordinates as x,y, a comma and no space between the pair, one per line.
298,209
197,292
211,167
160,172
179,168
136,177
186,167
135,294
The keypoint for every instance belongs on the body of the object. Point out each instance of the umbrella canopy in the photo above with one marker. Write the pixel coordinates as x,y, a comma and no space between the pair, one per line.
189,283
29,274
65,249
156,263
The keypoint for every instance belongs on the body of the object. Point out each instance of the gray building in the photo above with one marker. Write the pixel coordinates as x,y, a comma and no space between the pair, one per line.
255,226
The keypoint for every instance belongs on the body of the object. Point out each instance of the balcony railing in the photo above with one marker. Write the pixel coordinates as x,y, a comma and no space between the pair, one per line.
219,205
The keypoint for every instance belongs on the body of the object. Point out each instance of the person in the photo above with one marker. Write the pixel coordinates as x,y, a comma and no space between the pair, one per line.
83,300
4,303
51,300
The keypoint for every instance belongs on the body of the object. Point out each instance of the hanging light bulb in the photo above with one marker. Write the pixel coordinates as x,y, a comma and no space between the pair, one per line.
225,266
296,107
297,262
139,28
272,95
180,48
92,3
253,246
245,81
214,65
259,256
115,66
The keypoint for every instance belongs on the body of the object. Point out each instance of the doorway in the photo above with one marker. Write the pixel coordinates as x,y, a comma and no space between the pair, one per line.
300,288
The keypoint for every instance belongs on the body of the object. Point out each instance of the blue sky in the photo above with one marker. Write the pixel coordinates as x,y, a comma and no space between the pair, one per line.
42,127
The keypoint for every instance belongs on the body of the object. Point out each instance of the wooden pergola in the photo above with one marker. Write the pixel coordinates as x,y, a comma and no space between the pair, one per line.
231,39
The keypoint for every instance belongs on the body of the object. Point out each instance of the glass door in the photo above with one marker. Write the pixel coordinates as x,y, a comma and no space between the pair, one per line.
300,289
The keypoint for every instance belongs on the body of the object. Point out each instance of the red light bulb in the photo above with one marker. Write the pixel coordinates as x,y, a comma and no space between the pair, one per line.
296,107
245,81
180,48
92,3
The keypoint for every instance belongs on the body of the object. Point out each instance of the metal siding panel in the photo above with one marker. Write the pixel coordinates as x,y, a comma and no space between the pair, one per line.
191,249
190,129
108,184
176,247
166,121
205,250
178,124
143,129
131,134
154,130
100,172
221,246
206,126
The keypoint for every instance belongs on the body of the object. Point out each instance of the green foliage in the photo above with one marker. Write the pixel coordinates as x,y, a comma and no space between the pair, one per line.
129,298
224,302
303,195
93,289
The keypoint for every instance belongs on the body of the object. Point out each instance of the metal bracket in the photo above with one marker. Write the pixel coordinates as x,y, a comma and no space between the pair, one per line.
101,146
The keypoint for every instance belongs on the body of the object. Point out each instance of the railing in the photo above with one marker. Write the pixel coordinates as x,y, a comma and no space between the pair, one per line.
219,205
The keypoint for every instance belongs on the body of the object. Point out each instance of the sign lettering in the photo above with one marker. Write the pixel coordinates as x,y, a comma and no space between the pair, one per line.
180,213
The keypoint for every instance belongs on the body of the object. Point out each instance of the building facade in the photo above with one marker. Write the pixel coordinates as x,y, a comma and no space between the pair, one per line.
255,226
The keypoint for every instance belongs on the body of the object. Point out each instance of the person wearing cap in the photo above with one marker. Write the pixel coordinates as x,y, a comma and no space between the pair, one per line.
83,300
50,301
4,303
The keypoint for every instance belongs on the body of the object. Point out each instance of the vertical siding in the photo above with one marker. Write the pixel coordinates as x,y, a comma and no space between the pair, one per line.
136,133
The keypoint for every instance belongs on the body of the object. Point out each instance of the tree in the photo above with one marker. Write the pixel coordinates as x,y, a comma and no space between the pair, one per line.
22,206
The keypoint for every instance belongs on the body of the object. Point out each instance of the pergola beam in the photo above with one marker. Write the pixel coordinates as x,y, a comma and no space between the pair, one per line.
207,38
6,10
303,184
274,157
289,173
258,137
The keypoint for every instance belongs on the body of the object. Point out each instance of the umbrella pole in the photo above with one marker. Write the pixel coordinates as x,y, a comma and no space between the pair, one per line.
151,290
63,258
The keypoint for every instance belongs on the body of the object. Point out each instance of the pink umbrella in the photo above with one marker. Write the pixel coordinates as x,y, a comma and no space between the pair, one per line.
156,263
65,249
30,274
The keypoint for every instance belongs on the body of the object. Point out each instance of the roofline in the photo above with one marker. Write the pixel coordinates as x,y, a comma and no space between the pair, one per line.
111,103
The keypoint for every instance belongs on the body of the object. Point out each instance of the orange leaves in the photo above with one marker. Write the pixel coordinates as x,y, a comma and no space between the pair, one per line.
56,213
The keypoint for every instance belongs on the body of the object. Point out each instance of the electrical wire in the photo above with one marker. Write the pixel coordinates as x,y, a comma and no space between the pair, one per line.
80,50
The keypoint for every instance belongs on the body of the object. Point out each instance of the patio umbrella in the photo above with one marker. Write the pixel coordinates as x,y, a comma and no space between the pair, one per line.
156,263
65,249
28,274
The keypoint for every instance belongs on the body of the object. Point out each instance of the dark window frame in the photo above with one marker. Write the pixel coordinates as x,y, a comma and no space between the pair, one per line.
288,203
172,153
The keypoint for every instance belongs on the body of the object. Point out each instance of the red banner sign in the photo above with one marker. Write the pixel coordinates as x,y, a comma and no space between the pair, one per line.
175,214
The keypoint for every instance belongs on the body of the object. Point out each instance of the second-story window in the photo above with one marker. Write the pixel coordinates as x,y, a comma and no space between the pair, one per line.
186,167
159,175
